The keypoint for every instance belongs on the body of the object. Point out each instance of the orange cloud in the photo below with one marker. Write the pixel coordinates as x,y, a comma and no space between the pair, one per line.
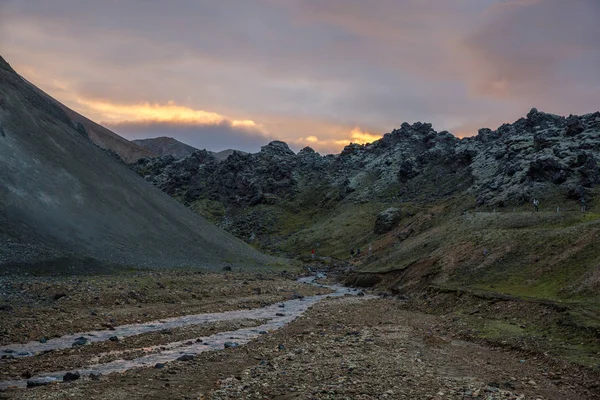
337,139
359,136
111,113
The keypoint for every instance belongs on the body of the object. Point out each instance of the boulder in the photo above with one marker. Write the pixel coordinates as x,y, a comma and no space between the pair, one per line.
387,220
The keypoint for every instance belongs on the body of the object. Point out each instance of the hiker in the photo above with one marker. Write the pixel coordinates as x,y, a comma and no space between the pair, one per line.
313,254
358,252
370,249
536,205
582,201
351,253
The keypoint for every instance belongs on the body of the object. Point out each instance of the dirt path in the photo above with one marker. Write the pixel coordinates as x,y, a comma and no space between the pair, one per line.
342,349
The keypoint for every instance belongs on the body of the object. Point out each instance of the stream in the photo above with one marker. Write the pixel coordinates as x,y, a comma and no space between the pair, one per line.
276,316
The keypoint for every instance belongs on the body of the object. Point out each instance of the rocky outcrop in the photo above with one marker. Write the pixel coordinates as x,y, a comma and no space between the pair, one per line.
387,220
542,154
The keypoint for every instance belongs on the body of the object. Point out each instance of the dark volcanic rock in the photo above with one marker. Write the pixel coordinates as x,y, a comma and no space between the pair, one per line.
387,220
542,153
71,376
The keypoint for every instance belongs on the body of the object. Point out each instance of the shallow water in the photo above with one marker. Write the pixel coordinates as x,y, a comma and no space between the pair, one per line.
164,353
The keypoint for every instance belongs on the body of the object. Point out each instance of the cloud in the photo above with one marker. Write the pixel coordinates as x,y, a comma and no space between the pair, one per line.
149,113
310,69
543,52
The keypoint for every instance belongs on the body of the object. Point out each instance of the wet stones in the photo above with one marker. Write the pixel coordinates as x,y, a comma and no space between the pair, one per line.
230,345
32,384
186,357
71,376
80,341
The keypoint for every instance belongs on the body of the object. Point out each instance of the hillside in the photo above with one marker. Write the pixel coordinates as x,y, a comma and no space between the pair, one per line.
165,146
65,204
460,200
101,136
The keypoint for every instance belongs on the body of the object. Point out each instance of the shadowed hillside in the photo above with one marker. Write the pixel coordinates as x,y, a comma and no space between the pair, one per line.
65,203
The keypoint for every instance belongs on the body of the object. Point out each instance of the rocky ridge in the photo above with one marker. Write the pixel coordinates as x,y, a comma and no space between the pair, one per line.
540,155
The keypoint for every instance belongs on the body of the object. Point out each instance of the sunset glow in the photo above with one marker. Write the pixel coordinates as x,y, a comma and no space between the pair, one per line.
169,112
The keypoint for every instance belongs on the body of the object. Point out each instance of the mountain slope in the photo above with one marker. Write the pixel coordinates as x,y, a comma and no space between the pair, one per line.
66,203
165,146
103,137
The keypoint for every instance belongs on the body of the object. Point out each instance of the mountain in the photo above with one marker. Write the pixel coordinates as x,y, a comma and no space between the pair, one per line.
66,203
165,146
436,209
223,154
101,136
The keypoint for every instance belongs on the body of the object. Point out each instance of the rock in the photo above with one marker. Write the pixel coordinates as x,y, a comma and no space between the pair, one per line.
114,338
281,306
71,376
80,341
281,347
279,314
95,376
159,365
59,295
32,384
262,332
387,220
229,345
361,293
186,357
227,268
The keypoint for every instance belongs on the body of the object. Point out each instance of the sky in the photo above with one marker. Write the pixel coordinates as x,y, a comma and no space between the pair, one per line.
320,73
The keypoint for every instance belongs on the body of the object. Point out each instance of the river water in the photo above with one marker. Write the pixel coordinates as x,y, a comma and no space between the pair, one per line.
165,353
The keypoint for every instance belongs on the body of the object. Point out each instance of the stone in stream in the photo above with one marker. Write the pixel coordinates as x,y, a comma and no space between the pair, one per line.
80,341
71,376
95,377
279,314
262,332
159,365
43,340
282,306
32,384
114,338
186,357
229,345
